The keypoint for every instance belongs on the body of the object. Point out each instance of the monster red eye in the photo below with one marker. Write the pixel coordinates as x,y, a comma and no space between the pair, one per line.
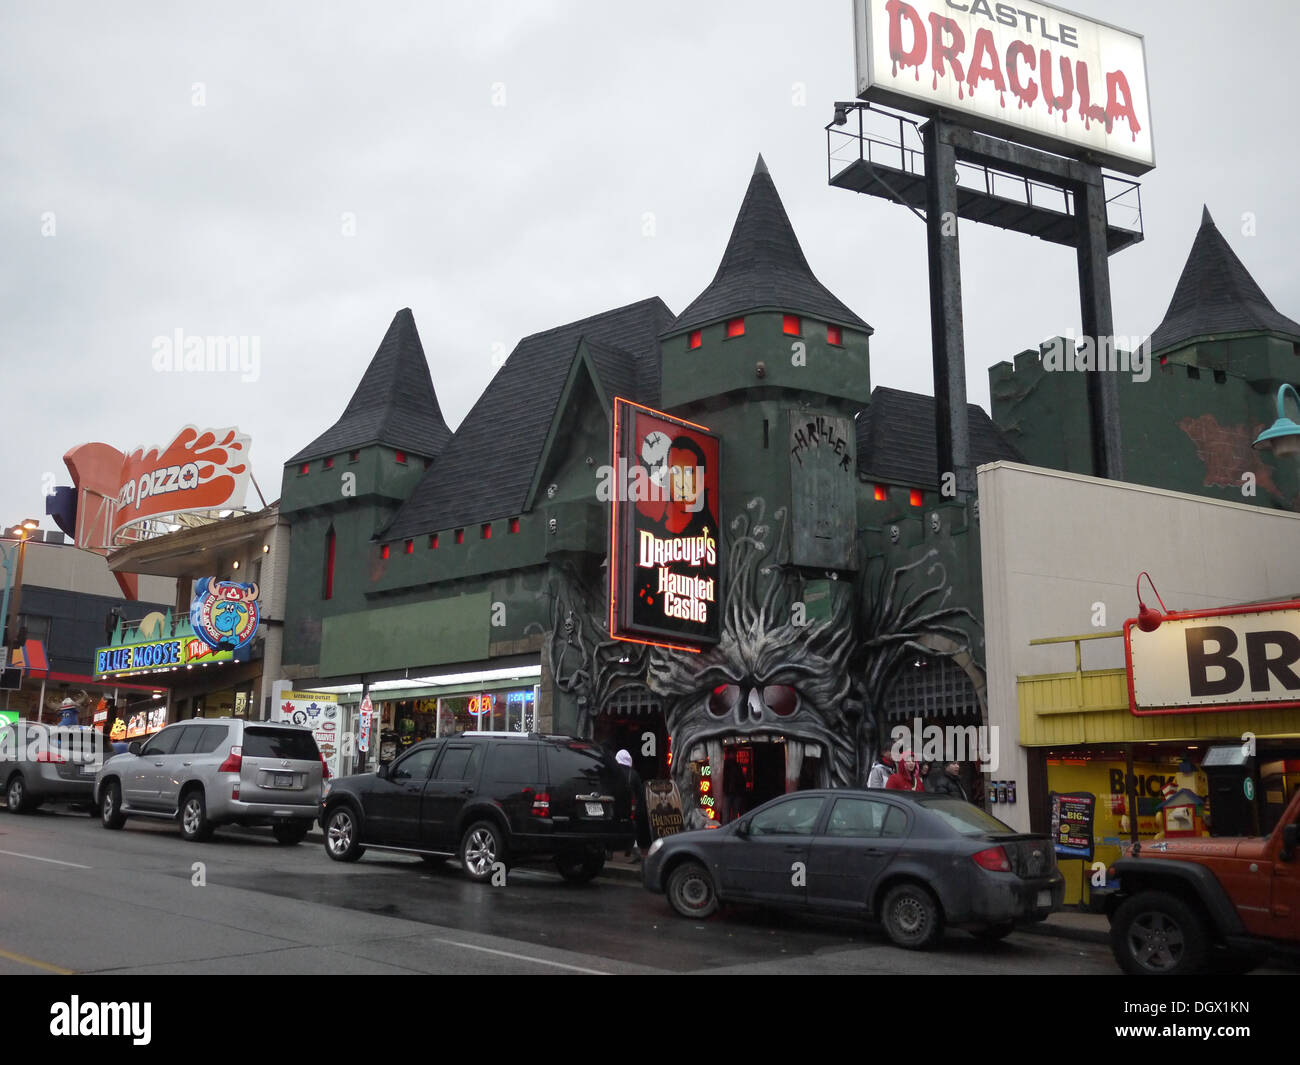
723,699
781,699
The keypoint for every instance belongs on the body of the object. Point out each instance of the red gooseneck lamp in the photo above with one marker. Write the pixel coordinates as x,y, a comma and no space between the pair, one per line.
1149,619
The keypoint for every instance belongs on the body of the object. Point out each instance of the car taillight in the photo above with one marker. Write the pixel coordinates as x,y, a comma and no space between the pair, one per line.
995,859
324,768
234,761
51,756
542,804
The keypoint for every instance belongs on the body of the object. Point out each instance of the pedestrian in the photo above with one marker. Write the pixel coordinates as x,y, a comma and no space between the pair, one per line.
881,770
947,781
908,776
640,818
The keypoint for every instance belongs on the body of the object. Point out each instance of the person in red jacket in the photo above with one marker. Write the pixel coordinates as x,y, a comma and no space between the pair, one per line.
908,777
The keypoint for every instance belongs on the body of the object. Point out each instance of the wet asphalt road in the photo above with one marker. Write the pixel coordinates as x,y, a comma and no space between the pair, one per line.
79,898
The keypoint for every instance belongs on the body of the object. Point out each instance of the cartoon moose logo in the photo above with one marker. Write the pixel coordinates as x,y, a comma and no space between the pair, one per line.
224,614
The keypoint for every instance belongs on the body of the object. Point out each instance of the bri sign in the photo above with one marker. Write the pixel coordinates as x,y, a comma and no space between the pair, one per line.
1026,71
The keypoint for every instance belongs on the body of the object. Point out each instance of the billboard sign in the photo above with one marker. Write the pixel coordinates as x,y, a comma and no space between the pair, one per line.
200,471
1027,71
320,712
1213,660
224,614
665,550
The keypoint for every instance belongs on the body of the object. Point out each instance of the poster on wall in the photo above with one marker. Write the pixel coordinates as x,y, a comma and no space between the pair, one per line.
1072,816
663,808
665,549
318,711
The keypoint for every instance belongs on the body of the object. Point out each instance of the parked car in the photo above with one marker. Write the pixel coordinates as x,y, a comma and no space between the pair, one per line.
48,763
217,771
1181,906
913,861
489,799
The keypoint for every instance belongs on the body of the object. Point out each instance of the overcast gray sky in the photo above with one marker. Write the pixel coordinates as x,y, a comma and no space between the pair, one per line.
507,168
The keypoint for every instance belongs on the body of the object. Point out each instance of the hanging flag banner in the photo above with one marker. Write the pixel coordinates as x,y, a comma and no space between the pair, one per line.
363,725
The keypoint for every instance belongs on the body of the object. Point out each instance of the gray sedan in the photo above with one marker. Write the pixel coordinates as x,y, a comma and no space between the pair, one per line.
914,862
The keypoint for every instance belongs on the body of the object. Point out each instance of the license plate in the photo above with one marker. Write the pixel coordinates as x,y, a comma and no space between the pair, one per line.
88,770
284,780
1044,899
595,809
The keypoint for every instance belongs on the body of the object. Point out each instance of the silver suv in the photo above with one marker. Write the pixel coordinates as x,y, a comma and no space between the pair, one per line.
217,771
47,763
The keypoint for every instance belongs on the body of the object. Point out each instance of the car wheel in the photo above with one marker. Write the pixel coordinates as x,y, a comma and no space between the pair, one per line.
343,835
110,806
993,932
16,795
581,867
691,892
195,825
911,917
1156,934
290,833
481,848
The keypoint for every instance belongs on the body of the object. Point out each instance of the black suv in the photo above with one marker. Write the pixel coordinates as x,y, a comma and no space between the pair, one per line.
491,799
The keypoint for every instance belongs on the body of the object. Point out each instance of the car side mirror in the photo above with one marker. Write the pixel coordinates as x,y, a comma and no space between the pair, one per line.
382,771
134,747
742,829
1288,842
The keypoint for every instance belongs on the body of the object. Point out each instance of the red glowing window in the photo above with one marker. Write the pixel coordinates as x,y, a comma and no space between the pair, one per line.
736,327
882,493
401,457
695,340
790,324
834,335
383,551
1164,360
433,541
329,564
329,464
410,547
305,468
914,497
514,525
353,456
460,536
486,531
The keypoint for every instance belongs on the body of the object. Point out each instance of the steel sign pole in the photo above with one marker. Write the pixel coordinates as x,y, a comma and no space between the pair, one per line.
1098,323
951,424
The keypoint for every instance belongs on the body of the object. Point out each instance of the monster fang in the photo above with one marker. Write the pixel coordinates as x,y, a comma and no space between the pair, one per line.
1062,81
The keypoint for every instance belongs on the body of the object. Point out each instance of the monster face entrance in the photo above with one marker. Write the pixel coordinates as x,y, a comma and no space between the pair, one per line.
754,772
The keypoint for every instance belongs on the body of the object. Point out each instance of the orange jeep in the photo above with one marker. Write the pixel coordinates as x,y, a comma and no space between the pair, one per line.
1195,905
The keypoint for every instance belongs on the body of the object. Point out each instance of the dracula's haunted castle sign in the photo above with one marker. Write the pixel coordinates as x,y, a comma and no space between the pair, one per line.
664,552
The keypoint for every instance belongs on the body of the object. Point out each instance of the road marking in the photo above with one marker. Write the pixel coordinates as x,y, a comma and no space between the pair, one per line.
22,959
523,957
52,861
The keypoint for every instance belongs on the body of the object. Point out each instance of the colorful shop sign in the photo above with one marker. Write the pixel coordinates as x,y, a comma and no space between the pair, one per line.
1197,661
224,614
200,471
155,654
1072,818
318,711
666,573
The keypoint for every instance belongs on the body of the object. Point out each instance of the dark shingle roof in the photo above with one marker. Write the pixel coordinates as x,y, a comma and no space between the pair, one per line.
764,268
487,468
394,404
1216,295
896,444
617,370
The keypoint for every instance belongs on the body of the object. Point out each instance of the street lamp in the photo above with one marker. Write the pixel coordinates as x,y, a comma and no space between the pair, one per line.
14,577
1283,436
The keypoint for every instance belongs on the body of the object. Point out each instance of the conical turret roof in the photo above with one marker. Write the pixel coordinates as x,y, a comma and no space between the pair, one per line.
764,268
395,403
1215,296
